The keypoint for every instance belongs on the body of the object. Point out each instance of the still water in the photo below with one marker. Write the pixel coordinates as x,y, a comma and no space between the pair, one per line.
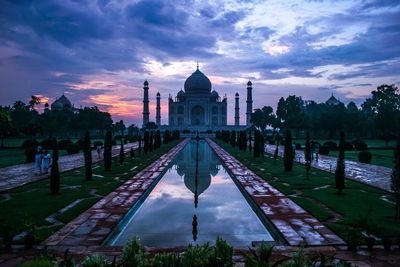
183,209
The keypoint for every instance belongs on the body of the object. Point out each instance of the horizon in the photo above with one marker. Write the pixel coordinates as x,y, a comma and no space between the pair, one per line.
99,53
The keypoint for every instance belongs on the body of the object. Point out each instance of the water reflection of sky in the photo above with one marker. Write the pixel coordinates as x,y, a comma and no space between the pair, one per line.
165,218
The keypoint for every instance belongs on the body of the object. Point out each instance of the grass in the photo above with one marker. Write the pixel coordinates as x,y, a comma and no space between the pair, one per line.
379,157
32,203
358,200
17,141
10,157
370,142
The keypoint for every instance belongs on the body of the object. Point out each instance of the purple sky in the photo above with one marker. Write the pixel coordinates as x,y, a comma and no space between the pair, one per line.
100,52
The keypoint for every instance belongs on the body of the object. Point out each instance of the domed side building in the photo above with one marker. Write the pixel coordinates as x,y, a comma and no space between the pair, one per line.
62,103
198,105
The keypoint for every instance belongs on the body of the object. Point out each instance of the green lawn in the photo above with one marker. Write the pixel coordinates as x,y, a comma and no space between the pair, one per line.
370,142
379,157
17,142
358,200
9,157
33,203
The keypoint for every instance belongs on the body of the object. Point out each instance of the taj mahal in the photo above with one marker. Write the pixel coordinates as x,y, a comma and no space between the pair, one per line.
198,106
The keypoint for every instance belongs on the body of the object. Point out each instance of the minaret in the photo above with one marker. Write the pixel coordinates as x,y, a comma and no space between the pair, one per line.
237,118
158,110
249,103
146,112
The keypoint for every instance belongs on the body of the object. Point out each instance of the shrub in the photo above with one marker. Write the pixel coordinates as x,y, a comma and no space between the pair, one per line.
73,148
30,153
41,262
297,145
324,150
348,146
62,144
47,144
360,144
332,145
97,143
81,143
261,257
95,261
365,157
30,143
132,254
166,259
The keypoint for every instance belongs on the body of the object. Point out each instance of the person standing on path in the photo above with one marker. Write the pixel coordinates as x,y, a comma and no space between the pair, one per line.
46,162
38,161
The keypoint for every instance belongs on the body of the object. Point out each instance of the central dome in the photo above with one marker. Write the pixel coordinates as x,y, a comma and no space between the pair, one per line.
198,83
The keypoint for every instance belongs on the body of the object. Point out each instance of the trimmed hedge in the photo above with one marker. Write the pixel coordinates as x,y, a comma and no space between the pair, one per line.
62,144
29,143
324,150
73,148
332,145
97,144
348,146
365,157
360,144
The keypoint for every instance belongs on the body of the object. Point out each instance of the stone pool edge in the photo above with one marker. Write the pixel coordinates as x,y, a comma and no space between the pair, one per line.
297,226
92,227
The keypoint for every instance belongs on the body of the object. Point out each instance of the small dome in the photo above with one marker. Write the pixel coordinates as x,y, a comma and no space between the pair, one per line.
214,94
146,83
249,83
158,93
198,83
237,94
64,101
57,105
181,93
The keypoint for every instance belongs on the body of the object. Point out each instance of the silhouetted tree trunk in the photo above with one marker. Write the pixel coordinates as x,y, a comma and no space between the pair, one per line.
132,152
288,155
262,143
122,152
151,142
146,142
140,143
277,148
87,153
250,142
107,151
256,146
244,140
233,138
55,172
340,166
307,154
395,179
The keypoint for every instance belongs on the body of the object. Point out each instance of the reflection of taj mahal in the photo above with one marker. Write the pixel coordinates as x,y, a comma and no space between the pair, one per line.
198,107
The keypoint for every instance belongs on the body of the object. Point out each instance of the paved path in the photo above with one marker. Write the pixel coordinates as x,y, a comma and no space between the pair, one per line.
296,225
374,175
17,175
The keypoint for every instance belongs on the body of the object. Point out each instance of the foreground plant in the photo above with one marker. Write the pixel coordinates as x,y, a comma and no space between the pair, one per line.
133,256
95,261
261,257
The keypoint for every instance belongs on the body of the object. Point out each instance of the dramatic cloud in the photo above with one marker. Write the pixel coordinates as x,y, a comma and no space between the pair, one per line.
100,52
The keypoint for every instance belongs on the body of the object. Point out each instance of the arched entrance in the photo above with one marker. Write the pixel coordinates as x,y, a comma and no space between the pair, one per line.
197,115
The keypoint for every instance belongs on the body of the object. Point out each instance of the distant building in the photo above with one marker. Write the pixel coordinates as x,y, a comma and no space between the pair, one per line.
62,103
332,101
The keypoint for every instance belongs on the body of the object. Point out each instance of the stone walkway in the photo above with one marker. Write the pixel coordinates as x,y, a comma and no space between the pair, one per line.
17,175
90,229
374,175
296,225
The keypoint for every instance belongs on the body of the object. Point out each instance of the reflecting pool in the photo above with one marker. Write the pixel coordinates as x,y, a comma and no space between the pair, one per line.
193,203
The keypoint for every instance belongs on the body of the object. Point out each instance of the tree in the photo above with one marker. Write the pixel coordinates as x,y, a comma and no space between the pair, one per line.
35,100
262,144
256,146
5,125
395,178
244,141
151,141
87,153
107,151
264,117
55,172
340,166
119,127
250,142
140,142
146,142
307,154
122,152
277,147
233,138
384,108
288,156
158,139
291,113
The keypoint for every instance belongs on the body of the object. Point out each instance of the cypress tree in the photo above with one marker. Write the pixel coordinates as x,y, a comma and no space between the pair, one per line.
233,138
395,178
288,155
262,143
121,152
87,153
244,141
340,166
132,152
307,154
256,146
250,142
140,143
146,142
151,142
158,135
107,151
55,172
277,147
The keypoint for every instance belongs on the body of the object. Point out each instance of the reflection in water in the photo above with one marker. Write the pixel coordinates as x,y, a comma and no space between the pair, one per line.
168,217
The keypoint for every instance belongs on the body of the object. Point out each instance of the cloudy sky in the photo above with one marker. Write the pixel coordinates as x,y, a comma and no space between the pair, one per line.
100,52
